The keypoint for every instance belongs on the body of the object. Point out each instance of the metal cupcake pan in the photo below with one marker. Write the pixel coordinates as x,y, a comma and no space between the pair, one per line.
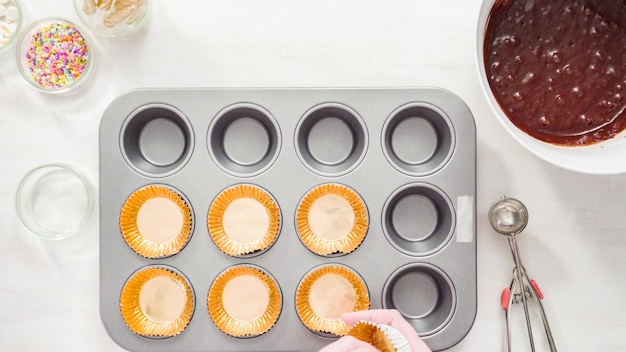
410,154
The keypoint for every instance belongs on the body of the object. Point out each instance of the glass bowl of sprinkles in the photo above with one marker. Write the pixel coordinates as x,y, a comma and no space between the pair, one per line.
11,19
54,55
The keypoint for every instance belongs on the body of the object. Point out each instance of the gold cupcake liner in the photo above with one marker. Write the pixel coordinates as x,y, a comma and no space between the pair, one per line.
137,320
237,328
383,337
216,220
303,306
343,245
130,230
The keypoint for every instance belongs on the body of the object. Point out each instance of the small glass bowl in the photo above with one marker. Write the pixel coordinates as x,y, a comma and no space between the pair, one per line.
41,56
10,31
113,18
54,201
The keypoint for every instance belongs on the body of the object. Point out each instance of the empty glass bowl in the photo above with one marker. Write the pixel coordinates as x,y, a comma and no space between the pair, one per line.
54,201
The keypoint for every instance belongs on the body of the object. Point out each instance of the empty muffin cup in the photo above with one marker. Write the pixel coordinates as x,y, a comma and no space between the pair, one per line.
332,219
327,292
331,139
54,201
244,140
244,301
157,302
156,140
423,294
156,221
418,219
418,139
243,219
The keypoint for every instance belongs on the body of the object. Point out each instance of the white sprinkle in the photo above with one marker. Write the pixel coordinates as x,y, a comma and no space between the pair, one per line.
4,41
12,14
4,2
12,27
3,10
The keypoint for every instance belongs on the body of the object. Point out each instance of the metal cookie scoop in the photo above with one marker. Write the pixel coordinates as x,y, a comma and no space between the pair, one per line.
509,217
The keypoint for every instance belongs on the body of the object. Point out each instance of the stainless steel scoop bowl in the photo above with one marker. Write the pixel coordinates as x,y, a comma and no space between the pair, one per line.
508,216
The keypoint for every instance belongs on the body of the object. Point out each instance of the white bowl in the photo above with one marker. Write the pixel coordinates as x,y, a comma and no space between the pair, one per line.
604,158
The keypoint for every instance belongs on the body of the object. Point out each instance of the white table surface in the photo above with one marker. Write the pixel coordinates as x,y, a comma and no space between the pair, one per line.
574,245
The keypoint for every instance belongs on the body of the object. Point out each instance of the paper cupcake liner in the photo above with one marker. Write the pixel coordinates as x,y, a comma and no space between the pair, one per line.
216,220
134,316
322,246
130,230
303,306
383,337
230,325
398,340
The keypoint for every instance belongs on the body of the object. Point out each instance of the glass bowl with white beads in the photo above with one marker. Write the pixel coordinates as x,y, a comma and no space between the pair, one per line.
11,21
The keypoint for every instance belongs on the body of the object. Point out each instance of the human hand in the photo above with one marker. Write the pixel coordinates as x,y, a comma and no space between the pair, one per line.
389,317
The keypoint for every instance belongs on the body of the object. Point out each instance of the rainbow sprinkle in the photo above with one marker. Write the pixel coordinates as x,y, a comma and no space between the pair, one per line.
57,55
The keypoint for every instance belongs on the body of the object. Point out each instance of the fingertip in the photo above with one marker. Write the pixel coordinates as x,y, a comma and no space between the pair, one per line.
350,318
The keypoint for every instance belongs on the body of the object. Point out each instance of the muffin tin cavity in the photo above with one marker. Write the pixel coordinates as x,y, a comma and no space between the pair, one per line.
244,140
331,139
418,139
423,294
293,212
418,219
157,140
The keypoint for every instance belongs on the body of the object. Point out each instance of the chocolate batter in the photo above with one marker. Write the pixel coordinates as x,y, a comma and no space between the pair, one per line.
558,68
